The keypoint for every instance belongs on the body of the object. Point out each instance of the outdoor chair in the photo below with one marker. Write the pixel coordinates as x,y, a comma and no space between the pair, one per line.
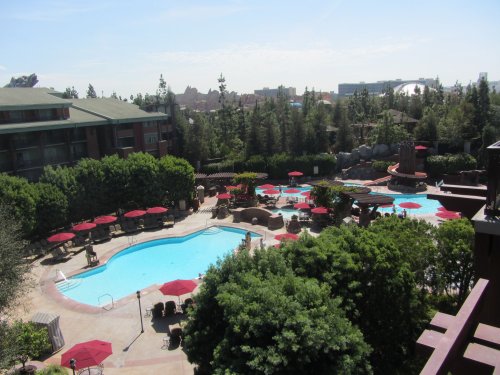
117,231
170,308
91,260
169,220
166,342
158,310
57,254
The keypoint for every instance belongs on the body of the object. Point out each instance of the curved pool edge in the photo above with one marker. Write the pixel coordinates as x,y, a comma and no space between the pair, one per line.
48,282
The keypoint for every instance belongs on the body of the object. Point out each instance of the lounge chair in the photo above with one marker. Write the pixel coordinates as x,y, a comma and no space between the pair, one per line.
168,221
91,260
58,253
117,230
129,226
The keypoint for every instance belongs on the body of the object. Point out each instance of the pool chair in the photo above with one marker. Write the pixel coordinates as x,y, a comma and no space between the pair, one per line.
57,254
158,310
168,221
91,260
117,230
170,308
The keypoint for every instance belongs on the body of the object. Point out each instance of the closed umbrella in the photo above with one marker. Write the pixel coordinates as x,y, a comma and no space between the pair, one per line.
61,237
105,220
135,213
83,227
87,354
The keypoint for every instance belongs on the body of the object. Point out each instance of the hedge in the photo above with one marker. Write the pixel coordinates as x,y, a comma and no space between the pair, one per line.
382,165
450,164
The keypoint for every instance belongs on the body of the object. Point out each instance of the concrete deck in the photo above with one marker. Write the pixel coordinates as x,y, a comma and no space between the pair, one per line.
133,352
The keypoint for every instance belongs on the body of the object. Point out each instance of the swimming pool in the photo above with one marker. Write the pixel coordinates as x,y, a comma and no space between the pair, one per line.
153,262
283,188
429,206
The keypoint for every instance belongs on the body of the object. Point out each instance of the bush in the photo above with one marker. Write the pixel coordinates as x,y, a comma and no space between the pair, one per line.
53,370
450,164
381,165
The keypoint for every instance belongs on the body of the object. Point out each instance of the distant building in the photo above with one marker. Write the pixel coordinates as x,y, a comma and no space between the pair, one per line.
39,128
267,92
492,85
377,88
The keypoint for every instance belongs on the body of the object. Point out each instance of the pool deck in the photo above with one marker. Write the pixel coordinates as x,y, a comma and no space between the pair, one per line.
133,352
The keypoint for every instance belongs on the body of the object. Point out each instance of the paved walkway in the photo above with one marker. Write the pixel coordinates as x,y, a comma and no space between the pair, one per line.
133,352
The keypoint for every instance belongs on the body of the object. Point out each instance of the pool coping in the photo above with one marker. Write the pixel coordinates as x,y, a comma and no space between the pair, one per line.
49,288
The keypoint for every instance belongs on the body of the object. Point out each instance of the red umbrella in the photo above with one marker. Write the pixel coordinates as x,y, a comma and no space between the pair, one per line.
320,210
442,209
156,210
409,205
301,205
105,220
231,187
295,174
135,213
83,226
306,194
178,287
448,215
224,196
271,192
293,191
61,237
420,147
286,236
266,186
86,354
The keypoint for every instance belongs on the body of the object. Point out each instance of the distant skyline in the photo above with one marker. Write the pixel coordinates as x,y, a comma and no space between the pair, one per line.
124,46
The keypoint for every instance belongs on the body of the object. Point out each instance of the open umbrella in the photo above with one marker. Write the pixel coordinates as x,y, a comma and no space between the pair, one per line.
292,191
448,215
266,186
83,227
409,205
386,205
271,192
320,210
224,196
105,220
87,354
442,209
306,194
286,236
135,213
419,147
178,287
61,237
295,174
231,187
156,210
301,205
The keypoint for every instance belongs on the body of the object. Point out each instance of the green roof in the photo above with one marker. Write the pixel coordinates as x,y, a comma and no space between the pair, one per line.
21,98
116,110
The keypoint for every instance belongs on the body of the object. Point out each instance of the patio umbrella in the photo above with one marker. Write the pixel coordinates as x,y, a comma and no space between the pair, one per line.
293,191
409,205
178,287
271,192
295,174
266,186
448,215
156,210
61,237
135,213
306,194
224,196
386,205
231,187
105,220
87,354
301,205
442,209
320,210
83,227
420,147
286,236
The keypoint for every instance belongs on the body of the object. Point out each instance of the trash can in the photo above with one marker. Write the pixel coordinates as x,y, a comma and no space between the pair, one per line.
182,205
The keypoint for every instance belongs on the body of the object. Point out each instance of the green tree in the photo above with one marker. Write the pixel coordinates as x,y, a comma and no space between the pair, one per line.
70,93
345,140
64,179
14,269
91,92
254,316
51,208
116,176
144,187
175,179
26,340
455,243
427,128
89,177
386,132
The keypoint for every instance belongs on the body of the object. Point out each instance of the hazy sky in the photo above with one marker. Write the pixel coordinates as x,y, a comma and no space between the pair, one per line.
124,46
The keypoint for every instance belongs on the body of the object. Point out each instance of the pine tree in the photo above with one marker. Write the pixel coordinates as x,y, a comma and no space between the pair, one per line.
91,92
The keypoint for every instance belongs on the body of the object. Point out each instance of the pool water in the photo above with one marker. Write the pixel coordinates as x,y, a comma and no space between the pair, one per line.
429,206
154,262
287,213
283,188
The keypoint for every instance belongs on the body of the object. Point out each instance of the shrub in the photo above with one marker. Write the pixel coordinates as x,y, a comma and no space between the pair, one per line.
381,165
450,164
53,370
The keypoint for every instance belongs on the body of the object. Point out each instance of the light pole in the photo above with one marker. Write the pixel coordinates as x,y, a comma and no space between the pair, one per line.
140,310
72,364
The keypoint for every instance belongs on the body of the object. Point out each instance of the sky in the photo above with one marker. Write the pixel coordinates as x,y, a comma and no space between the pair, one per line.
124,46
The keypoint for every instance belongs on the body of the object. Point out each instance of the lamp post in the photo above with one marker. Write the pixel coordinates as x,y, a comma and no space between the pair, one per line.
140,309
72,364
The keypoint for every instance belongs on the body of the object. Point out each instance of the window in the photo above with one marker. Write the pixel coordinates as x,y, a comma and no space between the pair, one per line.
78,134
150,138
79,151
54,137
24,140
28,158
126,142
55,154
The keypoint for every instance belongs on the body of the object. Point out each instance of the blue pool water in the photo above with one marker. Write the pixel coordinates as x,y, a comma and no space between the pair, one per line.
287,213
154,262
429,206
